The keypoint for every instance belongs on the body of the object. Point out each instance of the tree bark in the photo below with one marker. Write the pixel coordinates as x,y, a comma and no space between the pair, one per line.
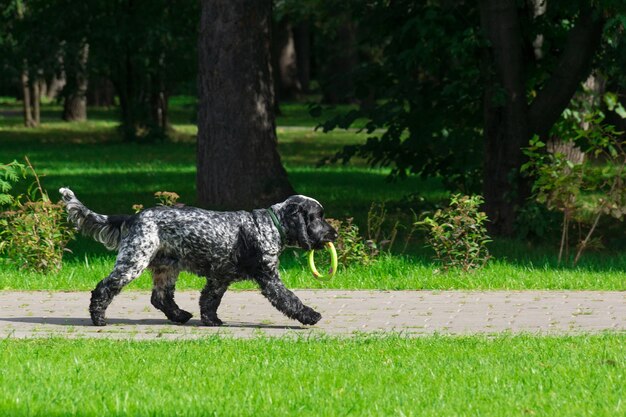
36,101
505,114
238,161
100,92
26,107
573,67
159,97
75,106
285,66
509,121
57,82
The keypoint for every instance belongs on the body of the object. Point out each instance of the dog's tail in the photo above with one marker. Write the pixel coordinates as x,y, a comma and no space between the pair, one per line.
107,230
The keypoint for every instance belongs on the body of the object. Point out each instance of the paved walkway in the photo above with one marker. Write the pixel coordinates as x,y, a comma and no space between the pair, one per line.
247,314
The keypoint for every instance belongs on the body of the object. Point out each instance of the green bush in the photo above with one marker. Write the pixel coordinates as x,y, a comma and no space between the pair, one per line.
351,246
34,231
34,235
164,198
583,190
458,234
9,174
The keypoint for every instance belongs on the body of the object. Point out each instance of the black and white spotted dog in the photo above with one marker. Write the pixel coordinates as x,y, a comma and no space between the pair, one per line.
224,247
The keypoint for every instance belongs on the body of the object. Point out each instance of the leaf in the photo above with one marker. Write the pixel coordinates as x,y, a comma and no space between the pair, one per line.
621,112
610,99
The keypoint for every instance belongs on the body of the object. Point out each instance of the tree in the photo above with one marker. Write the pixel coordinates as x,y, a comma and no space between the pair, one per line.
25,53
464,88
75,90
151,50
238,162
509,118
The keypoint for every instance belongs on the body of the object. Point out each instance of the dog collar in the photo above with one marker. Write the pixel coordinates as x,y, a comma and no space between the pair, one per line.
274,218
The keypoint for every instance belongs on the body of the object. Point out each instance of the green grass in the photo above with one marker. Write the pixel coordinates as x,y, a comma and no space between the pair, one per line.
362,376
110,176
389,273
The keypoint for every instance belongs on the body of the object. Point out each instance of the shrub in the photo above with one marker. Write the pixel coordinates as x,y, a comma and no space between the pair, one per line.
458,234
583,190
34,232
351,246
164,198
9,174
34,236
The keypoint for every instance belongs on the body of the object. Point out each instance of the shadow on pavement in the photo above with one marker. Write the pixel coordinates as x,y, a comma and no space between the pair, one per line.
84,321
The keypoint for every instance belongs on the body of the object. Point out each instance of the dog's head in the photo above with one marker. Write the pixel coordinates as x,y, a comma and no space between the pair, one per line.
303,221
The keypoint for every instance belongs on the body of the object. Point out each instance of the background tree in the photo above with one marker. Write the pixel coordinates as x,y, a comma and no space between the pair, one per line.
238,162
434,55
148,54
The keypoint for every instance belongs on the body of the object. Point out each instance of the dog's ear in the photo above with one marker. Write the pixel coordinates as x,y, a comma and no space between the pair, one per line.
296,218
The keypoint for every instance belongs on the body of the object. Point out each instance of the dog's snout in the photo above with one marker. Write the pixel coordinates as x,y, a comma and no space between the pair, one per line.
331,235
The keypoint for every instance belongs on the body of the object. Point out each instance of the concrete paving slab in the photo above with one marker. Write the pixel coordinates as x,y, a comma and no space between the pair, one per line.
248,314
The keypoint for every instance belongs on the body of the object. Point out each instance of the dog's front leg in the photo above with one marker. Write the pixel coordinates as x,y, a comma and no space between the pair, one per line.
284,300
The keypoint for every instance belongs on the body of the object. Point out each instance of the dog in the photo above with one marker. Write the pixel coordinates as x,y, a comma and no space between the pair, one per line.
223,247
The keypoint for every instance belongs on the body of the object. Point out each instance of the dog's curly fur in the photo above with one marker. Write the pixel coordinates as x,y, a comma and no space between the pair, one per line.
224,247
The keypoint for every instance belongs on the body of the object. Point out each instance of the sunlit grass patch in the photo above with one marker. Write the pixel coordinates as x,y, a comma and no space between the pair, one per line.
366,375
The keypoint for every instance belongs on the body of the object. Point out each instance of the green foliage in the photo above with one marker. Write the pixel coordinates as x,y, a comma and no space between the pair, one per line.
151,51
34,235
166,198
536,223
423,72
382,233
425,60
584,190
351,247
9,174
34,232
458,234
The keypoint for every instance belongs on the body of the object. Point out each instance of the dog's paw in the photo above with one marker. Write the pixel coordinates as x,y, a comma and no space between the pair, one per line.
180,316
98,320
212,321
309,316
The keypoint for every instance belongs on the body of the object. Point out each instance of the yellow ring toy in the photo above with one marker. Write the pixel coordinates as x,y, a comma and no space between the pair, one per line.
333,263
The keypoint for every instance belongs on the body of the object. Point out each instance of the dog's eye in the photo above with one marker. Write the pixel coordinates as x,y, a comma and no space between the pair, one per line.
316,215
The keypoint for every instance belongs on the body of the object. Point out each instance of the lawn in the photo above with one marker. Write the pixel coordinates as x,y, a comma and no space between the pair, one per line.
363,376
109,176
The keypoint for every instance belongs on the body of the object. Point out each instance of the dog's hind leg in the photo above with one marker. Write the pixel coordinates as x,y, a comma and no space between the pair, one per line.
134,256
210,300
164,281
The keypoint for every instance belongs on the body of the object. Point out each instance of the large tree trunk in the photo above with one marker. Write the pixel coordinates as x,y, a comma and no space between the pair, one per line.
505,114
573,67
75,106
238,162
509,120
